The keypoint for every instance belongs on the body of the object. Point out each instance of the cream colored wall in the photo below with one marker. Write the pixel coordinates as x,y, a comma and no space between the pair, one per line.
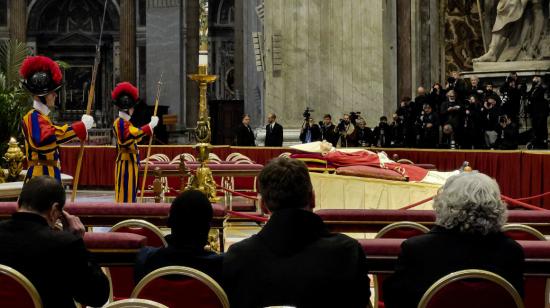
333,59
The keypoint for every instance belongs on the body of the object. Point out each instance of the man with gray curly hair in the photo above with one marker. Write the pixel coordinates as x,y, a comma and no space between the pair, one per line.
467,235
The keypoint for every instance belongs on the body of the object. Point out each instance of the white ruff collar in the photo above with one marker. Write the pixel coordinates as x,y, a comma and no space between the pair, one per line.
41,107
124,115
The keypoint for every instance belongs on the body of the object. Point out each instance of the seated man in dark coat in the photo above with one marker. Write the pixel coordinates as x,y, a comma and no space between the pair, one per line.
469,217
189,220
294,260
56,262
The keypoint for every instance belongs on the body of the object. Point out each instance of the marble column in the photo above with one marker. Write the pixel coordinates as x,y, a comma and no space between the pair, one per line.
192,40
404,77
238,63
18,20
165,54
253,81
128,41
334,56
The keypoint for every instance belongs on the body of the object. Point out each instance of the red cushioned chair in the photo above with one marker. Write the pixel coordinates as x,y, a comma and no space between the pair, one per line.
135,303
179,286
17,291
122,277
398,230
536,288
473,289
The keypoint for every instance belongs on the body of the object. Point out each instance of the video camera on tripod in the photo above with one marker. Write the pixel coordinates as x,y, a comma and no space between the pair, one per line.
307,113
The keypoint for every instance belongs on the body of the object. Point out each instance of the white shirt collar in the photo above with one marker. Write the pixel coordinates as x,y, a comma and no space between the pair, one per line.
41,107
124,115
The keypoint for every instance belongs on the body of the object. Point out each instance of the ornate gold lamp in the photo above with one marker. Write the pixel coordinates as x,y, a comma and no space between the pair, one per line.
14,156
202,179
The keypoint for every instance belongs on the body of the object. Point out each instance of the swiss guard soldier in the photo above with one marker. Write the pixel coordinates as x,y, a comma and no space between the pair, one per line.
125,97
42,78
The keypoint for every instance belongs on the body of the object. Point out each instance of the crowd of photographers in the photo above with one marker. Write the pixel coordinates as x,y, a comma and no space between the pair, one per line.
460,115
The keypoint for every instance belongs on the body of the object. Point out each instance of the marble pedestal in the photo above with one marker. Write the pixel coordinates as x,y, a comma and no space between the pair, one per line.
496,72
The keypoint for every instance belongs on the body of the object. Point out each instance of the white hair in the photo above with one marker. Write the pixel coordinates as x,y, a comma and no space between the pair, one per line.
470,202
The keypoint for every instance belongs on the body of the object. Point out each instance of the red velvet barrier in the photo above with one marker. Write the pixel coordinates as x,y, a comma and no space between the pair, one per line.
504,166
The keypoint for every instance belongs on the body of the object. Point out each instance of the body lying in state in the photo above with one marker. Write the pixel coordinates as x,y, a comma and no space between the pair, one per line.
360,157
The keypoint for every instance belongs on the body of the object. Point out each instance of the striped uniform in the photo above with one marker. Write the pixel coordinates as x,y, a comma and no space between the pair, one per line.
42,140
127,160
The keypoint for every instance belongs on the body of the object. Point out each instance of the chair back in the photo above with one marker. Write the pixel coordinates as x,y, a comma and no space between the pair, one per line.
180,286
535,288
122,277
17,291
135,303
471,288
520,232
401,230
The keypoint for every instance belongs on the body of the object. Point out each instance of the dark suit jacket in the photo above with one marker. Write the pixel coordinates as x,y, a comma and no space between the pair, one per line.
426,258
56,262
244,136
295,261
315,133
152,258
274,138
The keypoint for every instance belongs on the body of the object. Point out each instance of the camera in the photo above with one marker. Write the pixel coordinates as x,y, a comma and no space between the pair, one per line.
451,79
307,113
353,116
502,119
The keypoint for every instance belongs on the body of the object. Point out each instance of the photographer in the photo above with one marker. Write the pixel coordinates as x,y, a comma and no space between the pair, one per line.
538,109
362,135
475,88
429,130
382,133
397,131
473,133
327,130
344,129
508,134
511,98
490,113
452,113
436,97
457,84
406,114
310,131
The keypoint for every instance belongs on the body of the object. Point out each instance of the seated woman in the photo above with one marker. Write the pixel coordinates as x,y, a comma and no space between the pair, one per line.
469,216
189,219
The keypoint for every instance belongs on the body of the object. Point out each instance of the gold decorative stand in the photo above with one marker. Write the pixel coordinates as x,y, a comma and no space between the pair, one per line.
202,179
14,157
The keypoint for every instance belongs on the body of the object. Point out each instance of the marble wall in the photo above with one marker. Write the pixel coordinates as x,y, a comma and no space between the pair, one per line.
463,39
335,57
165,54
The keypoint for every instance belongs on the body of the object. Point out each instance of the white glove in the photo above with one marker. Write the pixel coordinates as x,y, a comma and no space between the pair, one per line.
154,122
88,121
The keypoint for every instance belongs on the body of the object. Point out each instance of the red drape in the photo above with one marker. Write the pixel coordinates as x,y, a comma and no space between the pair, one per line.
519,173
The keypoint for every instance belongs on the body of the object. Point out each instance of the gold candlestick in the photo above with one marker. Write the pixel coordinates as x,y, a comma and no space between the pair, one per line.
202,179
14,156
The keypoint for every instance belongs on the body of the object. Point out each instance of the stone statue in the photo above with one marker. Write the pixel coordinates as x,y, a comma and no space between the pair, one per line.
517,32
